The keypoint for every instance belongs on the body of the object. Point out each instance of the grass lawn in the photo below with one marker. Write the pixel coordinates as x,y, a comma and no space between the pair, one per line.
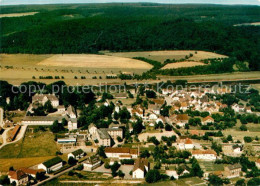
180,182
86,176
189,181
32,145
210,166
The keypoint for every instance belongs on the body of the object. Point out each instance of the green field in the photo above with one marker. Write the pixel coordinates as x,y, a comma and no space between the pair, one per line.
37,144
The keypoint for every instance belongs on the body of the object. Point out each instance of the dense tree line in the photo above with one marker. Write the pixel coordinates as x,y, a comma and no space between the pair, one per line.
144,31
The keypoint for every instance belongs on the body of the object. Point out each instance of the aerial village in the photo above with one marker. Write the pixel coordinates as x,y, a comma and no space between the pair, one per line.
141,135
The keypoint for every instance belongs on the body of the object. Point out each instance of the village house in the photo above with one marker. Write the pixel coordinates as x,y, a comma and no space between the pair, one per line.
209,155
77,154
19,177
117,152
141,167
207,120
232,171
51,165
103,138
43,98
91,163
237,107
186,144
72,124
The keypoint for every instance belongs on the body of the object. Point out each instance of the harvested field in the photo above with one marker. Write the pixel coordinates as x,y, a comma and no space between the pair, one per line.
161,56
18,14
21,162
183,64
94,61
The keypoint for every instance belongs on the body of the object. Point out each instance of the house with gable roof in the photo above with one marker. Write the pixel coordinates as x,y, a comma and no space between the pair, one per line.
141,167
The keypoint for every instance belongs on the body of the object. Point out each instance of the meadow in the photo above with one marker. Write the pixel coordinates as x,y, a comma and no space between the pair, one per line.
32,149
161,56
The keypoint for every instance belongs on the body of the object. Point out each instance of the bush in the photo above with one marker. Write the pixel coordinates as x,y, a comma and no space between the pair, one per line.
152,176
248,139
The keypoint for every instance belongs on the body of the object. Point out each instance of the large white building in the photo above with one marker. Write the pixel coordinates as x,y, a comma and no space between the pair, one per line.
120,152
209,155
51,165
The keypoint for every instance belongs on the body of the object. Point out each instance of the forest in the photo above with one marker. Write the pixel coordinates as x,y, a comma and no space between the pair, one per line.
134,27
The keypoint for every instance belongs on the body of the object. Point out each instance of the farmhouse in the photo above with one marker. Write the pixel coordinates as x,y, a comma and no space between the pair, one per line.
19,177
204,154
117,152
51,165
141,167
232,171
14,133
43,98
91,163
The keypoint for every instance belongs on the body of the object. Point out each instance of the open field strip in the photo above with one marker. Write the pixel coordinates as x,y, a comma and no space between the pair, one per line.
94,61
21,162
161,56
18,14
183,64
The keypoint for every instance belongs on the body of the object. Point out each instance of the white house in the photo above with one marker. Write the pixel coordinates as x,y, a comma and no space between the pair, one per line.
51,165
186,145
209,155
141,167
72,124
91,163
77,154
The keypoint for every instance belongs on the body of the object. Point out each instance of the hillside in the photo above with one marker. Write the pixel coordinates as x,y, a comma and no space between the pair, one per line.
133,27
